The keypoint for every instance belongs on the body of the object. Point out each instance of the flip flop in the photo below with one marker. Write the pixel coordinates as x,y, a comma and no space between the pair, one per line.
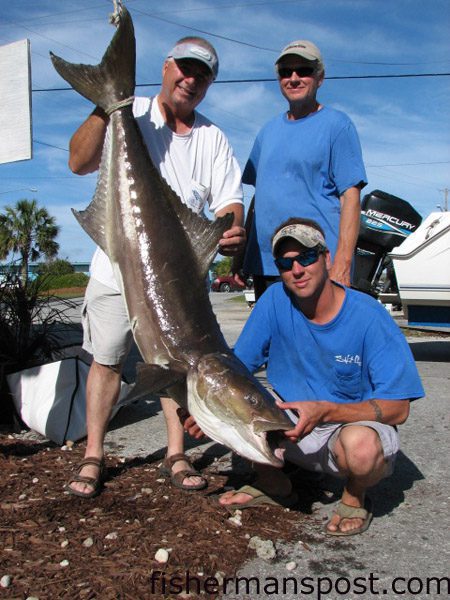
260,498
94,482
345,511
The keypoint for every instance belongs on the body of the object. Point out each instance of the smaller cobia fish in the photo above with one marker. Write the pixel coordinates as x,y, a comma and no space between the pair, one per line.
161,252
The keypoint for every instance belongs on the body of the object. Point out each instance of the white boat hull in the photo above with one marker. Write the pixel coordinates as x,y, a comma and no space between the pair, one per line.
422,268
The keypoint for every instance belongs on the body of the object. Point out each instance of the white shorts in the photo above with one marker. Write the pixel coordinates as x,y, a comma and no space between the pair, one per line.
314,452
106,327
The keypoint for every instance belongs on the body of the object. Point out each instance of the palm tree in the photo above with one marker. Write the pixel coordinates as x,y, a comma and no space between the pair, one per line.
28,230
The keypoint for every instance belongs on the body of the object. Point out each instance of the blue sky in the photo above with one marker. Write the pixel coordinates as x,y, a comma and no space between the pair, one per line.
403,123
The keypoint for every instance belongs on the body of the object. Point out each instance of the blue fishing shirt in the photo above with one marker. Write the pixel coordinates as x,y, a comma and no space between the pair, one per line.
360,355
300,169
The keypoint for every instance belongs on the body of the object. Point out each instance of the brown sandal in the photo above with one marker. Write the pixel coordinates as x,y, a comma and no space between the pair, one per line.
94,482
176,479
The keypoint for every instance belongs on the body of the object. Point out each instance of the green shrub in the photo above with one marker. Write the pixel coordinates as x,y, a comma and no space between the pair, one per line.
59,266
33,328
54,282
223,267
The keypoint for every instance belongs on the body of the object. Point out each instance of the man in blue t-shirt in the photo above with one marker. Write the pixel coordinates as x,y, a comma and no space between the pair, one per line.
305,161
343,369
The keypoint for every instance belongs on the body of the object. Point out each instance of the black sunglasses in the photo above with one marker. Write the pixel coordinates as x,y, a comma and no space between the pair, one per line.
193,68
306,258
285,72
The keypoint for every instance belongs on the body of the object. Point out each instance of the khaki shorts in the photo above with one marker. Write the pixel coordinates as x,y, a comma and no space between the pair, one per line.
314,452
106,328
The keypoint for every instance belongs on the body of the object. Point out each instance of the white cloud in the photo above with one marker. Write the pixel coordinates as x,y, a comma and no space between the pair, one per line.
399,120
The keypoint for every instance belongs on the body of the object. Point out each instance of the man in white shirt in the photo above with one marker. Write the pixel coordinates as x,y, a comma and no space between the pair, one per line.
195,158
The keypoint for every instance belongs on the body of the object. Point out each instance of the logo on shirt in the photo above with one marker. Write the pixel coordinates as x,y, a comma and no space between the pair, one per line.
348,359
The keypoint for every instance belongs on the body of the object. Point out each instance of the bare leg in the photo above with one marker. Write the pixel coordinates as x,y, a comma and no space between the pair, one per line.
175,439
359,454
269,479
102,392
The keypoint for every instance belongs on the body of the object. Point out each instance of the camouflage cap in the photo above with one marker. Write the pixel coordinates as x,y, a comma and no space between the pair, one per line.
306,235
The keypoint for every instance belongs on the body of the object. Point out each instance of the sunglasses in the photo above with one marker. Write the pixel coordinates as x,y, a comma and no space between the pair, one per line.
193,68
306,258
286,72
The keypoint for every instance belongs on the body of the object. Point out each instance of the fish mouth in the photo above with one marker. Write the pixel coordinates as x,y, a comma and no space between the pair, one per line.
263,426
273,440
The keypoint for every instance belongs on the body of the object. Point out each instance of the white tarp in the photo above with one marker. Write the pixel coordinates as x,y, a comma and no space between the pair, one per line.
51,398
15,106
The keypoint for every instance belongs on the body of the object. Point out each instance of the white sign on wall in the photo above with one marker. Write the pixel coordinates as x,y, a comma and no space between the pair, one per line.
15,105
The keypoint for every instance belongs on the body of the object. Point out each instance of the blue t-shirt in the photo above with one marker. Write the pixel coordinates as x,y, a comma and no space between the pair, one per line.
360,355
300,169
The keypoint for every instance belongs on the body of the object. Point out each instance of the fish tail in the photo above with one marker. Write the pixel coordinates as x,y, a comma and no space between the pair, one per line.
114,79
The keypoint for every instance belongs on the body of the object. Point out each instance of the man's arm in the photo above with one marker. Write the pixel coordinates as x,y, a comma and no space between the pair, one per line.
87,143
348,234
390,412
234,239
239,258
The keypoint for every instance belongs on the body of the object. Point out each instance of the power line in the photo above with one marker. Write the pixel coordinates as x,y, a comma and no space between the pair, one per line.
50,145
158,16
46,37
228,39
438,162
337,77
204,32
273,79
165,12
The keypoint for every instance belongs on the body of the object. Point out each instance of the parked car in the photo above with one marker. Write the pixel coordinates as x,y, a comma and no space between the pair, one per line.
227,283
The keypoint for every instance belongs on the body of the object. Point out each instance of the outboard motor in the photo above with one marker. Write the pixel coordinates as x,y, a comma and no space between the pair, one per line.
385,222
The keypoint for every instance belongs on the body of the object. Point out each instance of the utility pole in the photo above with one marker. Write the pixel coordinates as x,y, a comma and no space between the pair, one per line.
445,191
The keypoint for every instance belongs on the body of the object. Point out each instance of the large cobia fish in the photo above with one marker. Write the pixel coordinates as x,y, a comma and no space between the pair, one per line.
161,251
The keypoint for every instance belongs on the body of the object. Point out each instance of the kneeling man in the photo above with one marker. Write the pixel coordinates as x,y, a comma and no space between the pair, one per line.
343,369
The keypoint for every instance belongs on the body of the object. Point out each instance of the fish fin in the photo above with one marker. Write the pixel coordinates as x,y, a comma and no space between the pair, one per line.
114,79
178,392
92,221
203,234
93,218
151,379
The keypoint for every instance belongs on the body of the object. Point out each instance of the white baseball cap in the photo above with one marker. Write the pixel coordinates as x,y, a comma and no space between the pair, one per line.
196,52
